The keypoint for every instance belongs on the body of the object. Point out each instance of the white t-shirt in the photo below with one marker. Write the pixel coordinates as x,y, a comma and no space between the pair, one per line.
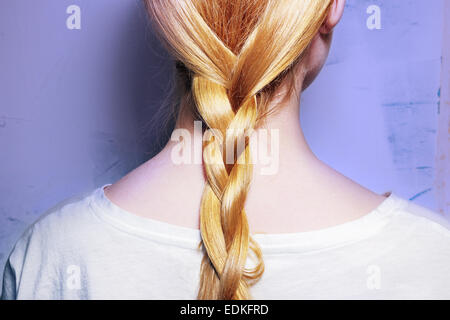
89,248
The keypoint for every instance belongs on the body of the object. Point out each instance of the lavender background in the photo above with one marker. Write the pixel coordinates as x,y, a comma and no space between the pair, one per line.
75,104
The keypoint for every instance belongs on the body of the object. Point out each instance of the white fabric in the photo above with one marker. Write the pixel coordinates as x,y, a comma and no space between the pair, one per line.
89,248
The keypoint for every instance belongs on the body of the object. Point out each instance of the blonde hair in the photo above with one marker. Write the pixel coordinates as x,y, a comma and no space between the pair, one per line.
233,54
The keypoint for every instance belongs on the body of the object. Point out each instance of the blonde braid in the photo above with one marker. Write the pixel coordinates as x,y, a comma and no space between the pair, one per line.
223,221
229,78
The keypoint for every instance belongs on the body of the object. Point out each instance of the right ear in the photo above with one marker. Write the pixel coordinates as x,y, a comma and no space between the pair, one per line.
334,16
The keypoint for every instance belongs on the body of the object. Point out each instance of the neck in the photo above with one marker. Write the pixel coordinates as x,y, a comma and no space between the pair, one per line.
293,149
279,138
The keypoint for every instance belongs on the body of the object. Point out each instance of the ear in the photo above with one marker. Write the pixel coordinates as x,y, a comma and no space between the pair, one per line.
334,16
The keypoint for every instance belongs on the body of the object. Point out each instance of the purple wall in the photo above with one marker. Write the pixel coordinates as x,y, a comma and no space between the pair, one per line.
74,104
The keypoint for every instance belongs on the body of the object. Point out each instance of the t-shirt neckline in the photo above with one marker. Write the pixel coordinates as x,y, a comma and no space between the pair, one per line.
307,241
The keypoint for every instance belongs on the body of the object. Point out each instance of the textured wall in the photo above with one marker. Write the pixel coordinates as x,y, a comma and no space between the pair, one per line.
443,139
73,102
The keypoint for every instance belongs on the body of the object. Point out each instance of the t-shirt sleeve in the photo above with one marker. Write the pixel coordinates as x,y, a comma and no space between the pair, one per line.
9,283
29,272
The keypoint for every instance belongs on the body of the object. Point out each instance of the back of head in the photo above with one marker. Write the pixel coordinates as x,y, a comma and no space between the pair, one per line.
234,53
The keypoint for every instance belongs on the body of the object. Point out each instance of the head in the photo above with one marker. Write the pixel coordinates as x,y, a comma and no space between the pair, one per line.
233,57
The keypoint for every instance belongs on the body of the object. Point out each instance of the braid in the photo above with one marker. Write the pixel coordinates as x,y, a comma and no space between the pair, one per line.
223,221
235,50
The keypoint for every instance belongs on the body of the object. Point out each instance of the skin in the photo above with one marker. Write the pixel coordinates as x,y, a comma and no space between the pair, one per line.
305,194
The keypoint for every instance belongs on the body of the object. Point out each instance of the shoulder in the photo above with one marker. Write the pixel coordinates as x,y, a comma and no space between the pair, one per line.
33,264
412,252
66,221
424,220
420,235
